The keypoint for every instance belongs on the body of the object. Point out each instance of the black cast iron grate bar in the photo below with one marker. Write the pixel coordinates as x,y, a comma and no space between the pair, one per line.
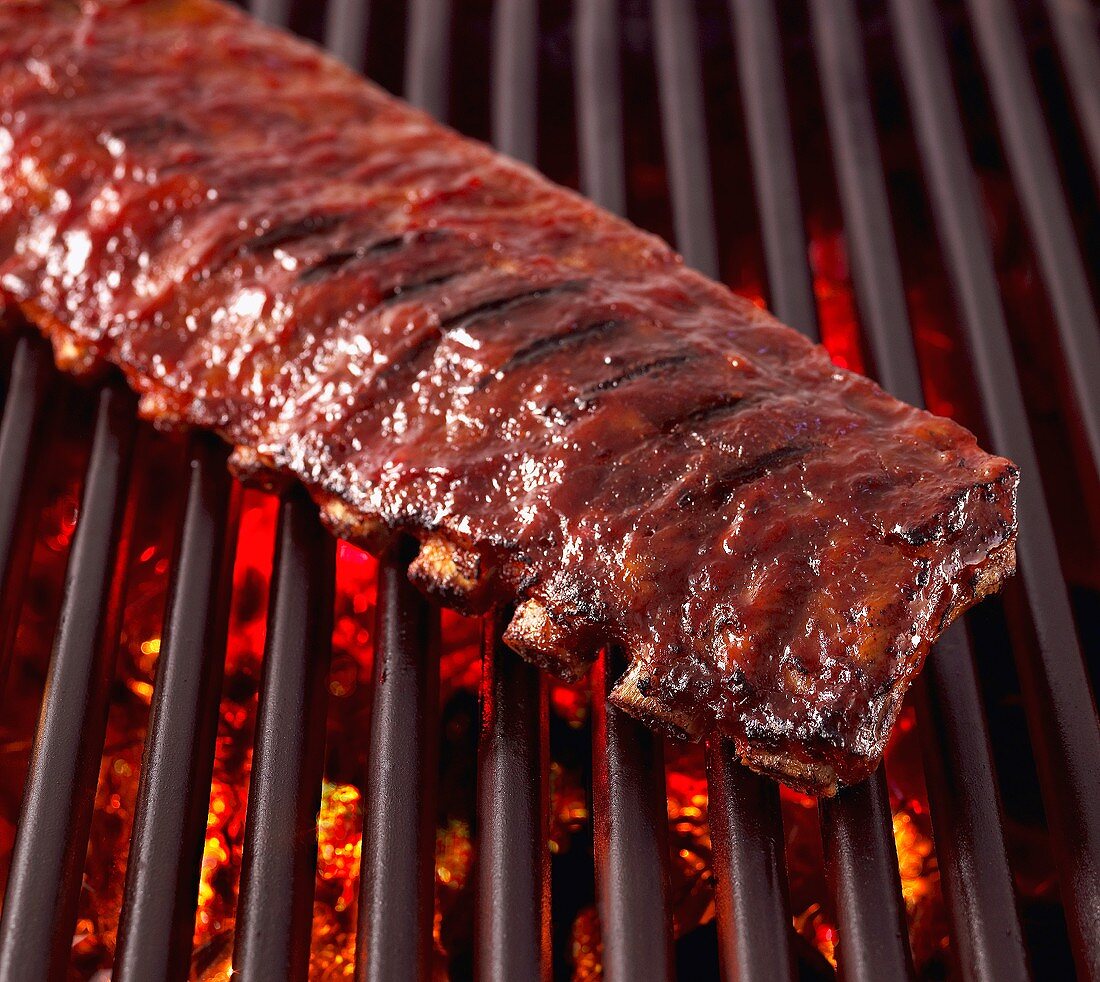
754,920
1042,197
683,126
1057,699
428,58
52,838
512,886
515,78
346,25
157,923
630,830
275,12
751,902
966,815
275,906
759,61
599,109
629,810
1074,23
20,427
856,834
513,860
398,857
975,860
397,875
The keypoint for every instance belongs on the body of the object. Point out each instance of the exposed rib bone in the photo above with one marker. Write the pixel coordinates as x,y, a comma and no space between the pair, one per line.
632,695
456,576
534,634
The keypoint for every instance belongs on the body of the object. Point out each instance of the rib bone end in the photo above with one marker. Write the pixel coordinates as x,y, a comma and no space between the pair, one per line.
633,694
456,576
564,651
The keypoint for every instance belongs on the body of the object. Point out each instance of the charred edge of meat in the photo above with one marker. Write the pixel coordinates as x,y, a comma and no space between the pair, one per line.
633,694
365,531
982,581
566,650
256,470
811,777
71,353
458,577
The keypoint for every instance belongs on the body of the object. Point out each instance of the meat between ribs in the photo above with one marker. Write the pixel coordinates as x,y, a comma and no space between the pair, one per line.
438,341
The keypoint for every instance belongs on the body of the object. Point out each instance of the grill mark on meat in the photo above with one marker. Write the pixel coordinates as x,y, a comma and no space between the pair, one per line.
292,231
710,410
333,262
631,375
542,349
149,131
404,291
589,397
509,302
409,361
723,488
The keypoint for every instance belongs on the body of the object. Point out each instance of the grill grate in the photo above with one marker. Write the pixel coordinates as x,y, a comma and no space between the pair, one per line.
513,880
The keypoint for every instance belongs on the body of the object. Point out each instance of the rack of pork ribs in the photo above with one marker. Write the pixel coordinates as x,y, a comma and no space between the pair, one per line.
440,343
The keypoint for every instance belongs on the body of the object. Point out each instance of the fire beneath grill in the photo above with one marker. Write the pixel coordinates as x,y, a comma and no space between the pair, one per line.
578,946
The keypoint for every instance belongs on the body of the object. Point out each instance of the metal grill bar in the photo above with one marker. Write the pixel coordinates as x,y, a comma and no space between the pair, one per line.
966,815
513,862
396,880
1074,23
1057,699
759,62
880,295
52,838
746,824
1035,173
599,108
427,65
162,873
629,812
27,388
861,867
396,883
753,911
275,907
683,124
515,78
346,25
276,12
630,825
974,863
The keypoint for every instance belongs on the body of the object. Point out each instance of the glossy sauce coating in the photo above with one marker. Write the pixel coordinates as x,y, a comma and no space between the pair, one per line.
436,340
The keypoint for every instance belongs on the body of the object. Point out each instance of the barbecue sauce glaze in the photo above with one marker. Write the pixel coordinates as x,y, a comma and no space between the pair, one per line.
438,341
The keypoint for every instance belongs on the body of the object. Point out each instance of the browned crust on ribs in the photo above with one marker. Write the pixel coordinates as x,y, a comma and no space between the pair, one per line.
437,342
